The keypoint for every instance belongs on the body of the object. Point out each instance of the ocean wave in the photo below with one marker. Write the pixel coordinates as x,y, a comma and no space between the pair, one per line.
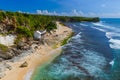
78,66
83,24
112,34
112,62
28,75
76,38
114,43
99,29
108,34
98,24
106,27
74,25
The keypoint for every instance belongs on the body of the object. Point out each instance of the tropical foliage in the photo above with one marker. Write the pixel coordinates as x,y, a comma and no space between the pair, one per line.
25,24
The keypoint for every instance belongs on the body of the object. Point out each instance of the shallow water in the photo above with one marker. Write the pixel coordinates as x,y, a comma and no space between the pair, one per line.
88,54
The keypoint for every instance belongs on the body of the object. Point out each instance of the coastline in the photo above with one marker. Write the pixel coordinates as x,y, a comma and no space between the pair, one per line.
43,54
28,75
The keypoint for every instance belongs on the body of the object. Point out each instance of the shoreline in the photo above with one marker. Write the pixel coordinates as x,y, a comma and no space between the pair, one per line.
52,55
29,75
38,56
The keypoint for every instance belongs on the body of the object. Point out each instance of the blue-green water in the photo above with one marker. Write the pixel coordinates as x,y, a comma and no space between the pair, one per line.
93,53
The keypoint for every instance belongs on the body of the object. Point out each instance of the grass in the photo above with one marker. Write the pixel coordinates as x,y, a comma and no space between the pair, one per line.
66,39
55,46
19,37
4,48
62,24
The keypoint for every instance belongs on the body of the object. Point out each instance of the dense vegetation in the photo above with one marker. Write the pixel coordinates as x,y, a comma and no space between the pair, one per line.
34,21
24,24
75,19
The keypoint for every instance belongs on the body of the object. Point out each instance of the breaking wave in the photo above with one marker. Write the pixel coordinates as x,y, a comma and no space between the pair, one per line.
111,33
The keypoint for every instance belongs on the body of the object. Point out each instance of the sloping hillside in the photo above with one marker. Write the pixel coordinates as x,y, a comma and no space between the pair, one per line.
21,26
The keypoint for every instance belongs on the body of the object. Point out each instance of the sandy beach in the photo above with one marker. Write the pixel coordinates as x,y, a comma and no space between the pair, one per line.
43,54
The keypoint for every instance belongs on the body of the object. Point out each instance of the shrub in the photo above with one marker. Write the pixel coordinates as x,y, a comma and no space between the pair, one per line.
51,26
18,39
2,15
24,31
66,39
3,48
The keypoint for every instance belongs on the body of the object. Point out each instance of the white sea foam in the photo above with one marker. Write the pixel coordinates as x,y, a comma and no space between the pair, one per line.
83,24
99,29
77,36
112,62
74,25
108,34
98,24
112,34
107,27
115,43
28,75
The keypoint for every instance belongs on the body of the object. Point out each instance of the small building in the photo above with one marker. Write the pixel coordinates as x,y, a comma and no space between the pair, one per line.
38,34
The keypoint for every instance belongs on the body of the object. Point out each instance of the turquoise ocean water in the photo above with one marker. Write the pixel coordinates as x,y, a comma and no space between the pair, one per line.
93,53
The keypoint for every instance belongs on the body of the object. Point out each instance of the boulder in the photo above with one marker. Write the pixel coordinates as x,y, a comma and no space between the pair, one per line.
25,64
6,55
20,44
15,52
23,45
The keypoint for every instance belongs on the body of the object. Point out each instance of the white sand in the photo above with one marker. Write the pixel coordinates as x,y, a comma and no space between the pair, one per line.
44,54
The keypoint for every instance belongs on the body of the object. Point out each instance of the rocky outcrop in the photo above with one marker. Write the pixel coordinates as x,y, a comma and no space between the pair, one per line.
25,64
5,55
2,75
7,40
3,67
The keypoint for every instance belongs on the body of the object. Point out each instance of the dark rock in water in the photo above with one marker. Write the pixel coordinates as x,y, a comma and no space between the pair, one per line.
25,64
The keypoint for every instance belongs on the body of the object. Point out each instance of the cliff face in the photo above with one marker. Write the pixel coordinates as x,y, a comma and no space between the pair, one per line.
7,40
16,32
